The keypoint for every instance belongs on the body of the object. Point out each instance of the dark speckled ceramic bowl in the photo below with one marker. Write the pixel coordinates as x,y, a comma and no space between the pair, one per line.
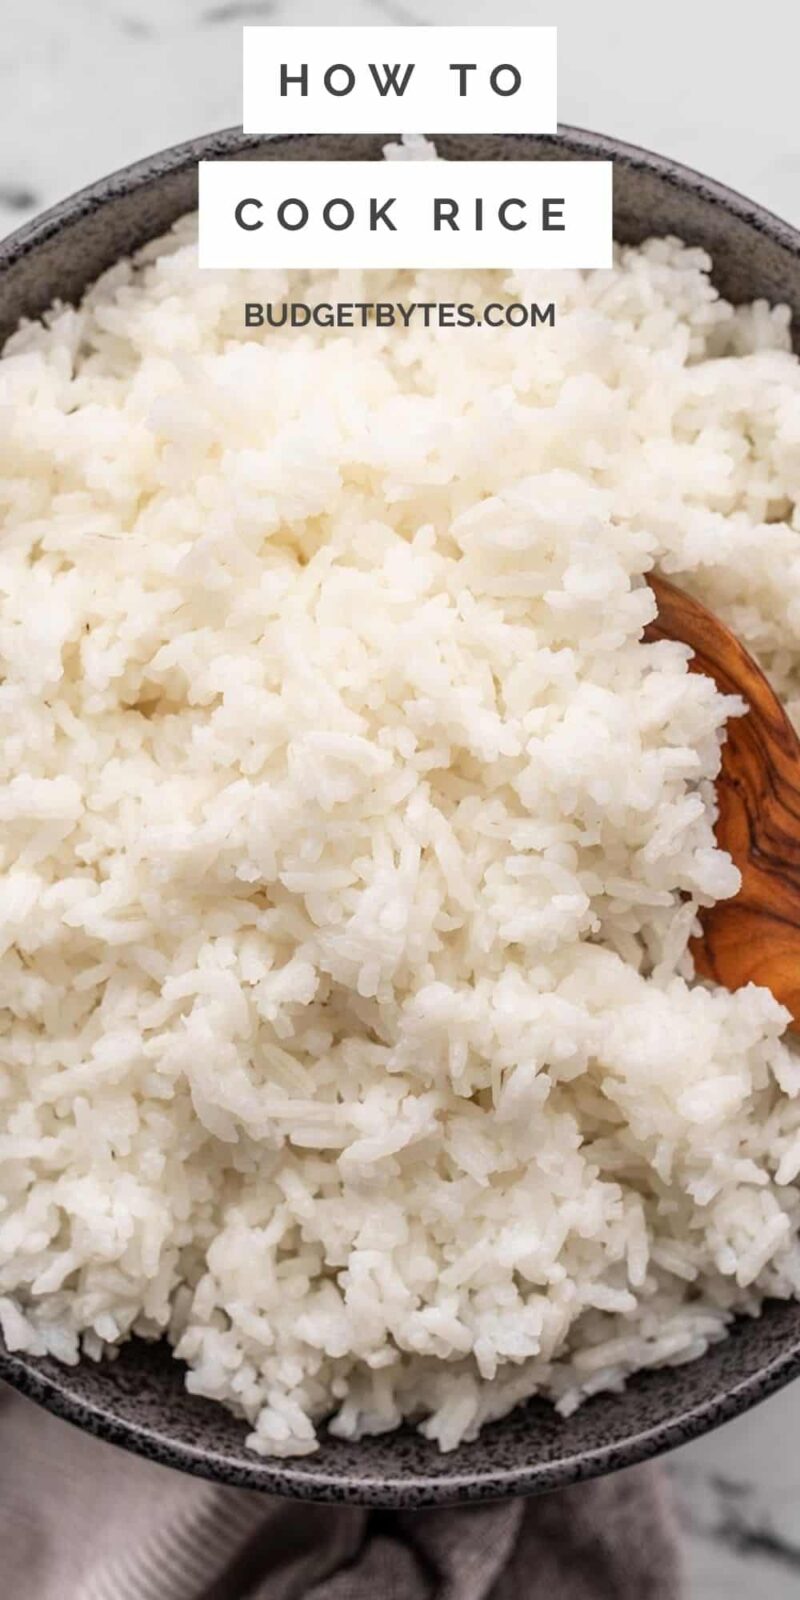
139,1400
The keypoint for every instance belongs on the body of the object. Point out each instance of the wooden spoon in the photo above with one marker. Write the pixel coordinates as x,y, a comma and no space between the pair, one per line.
755,937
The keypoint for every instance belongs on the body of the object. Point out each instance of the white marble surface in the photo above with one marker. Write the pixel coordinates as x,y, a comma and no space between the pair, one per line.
88,85
738,1496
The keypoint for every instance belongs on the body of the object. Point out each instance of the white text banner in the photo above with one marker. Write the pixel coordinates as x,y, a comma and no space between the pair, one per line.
405,214
399,79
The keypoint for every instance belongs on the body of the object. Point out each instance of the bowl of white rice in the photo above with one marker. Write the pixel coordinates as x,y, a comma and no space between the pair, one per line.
365,1132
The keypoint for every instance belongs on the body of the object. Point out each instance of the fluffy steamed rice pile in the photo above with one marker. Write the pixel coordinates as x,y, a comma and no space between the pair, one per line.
351,839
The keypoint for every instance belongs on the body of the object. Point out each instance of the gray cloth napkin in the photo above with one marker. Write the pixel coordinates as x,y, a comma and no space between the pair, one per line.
81,1520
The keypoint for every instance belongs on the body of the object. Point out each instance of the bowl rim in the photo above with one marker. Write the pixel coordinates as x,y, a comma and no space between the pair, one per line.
232,141
288,1476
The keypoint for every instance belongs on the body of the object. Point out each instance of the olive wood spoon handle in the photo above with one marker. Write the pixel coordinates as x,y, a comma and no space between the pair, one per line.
755,937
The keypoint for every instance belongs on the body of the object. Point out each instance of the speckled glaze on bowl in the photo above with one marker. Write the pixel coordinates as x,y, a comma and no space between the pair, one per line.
139,1400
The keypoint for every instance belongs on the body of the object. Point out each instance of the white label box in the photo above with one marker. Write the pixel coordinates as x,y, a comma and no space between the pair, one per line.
405,214
399,80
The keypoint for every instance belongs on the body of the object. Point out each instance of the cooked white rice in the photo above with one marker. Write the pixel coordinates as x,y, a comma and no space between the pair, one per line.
351,839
